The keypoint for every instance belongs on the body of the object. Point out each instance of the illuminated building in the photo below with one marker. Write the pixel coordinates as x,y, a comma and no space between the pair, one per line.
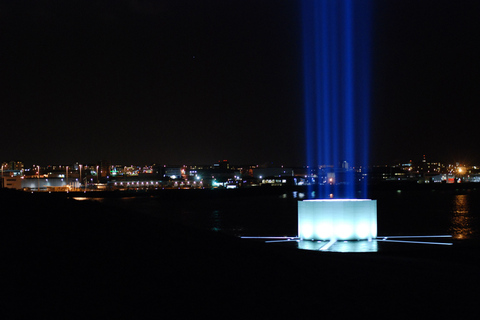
260,173
222,165
104,169
173,172
16,165
14,182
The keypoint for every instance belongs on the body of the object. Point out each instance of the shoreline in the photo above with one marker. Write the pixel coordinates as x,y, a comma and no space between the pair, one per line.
253,191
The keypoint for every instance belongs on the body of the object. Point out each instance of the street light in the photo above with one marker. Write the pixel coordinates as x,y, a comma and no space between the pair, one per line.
38,180
66,179
80,176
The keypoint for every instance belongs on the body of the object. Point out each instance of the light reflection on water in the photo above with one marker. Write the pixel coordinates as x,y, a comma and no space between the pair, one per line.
462,218
216,221
340,246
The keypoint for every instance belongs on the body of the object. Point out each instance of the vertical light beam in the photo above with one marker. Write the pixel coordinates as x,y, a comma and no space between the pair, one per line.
336,61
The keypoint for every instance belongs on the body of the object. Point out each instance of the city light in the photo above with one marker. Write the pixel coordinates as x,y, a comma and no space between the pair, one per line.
61,178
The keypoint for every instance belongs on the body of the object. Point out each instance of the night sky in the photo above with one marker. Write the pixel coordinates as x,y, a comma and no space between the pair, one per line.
187,82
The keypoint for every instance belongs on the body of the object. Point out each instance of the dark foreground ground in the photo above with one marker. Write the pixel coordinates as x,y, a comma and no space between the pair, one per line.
71,259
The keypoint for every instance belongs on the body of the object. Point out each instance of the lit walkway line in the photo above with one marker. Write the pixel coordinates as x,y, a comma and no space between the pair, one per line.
418,242
406,237
248,237
383,239
286,240
328,245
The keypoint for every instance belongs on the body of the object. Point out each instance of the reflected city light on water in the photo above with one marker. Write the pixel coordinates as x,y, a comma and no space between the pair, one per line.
462,218
89,199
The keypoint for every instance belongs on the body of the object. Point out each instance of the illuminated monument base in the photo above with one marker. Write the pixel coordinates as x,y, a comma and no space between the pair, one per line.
337,219
342,225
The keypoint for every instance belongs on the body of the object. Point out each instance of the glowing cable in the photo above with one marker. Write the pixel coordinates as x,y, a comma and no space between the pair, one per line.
417,242
285,240
250,237
406,237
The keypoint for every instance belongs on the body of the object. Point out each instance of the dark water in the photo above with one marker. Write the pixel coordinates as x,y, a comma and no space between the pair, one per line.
429,212
399,212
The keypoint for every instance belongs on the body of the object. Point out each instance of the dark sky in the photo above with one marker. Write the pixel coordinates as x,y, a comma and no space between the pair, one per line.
426,95
182,82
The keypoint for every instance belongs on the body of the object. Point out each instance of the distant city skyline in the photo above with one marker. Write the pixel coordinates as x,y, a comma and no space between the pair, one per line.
416,161
327,180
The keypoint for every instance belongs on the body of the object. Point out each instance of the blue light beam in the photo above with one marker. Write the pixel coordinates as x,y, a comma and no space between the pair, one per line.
336,62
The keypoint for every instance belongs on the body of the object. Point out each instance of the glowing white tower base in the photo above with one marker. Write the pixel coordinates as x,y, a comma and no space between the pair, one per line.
323,223
337,219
